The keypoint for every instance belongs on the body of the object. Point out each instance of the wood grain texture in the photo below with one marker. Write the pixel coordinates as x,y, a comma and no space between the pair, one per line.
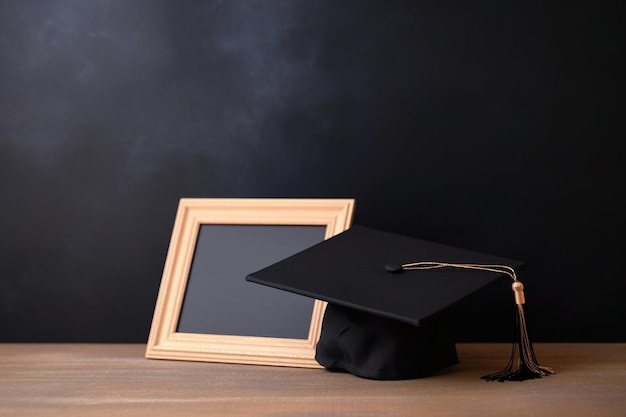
113,379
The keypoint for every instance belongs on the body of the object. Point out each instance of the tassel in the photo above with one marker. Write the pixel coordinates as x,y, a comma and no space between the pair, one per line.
523,363
526,365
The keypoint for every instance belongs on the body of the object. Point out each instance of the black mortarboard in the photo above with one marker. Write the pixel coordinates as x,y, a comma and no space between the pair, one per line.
379,323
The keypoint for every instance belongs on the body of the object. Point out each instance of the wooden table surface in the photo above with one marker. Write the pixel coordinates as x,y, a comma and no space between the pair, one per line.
115,379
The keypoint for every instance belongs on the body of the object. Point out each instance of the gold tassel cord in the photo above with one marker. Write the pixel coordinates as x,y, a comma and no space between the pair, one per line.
522,365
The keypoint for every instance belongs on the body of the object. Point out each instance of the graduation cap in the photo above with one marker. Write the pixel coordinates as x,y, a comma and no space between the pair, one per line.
386,318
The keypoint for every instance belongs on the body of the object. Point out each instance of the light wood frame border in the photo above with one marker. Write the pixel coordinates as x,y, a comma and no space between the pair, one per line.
164,342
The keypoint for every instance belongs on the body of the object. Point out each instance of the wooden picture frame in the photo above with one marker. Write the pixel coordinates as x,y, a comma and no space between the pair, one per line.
165,341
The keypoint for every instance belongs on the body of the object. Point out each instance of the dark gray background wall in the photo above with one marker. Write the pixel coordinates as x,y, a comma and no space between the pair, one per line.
495,126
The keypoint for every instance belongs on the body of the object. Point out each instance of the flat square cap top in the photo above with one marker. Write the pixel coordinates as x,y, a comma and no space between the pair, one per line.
349,270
